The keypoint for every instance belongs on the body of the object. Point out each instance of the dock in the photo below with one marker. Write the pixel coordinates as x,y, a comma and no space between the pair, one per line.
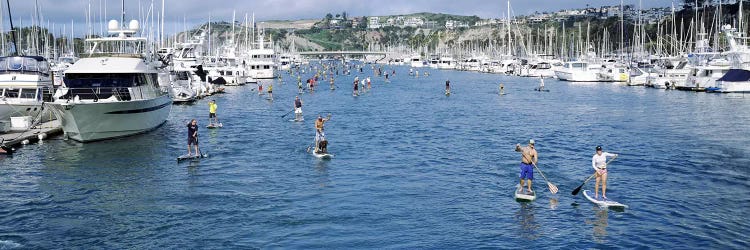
13,138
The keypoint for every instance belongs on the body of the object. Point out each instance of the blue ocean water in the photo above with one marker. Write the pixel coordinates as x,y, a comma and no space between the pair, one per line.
413,168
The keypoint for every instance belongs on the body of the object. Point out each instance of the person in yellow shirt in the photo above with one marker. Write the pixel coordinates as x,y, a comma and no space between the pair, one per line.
270,91
212,112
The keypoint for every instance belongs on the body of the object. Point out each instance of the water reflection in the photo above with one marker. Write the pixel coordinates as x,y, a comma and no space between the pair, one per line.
321,170
599,223
553,203
527,222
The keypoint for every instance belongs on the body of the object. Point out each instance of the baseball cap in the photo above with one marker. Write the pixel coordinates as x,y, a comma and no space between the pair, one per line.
598,148
531,141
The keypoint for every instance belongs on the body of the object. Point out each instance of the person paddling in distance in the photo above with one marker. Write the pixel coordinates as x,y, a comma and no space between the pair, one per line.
356,86
297,108
320,137
212,112
599,163
502,89
447,87
529,157
270,90
193,136
541,83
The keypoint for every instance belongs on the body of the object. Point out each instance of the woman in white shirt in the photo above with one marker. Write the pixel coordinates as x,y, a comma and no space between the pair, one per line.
599,163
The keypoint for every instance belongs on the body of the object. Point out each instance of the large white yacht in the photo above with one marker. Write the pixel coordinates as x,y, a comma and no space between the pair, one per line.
262,60
415,61
113,90
25,84
578,71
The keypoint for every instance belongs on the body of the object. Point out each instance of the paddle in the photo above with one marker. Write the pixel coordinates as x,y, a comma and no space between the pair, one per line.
308,147
287,113
552,188
578,189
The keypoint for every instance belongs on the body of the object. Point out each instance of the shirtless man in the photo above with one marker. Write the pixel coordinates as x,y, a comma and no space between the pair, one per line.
319,127
529,158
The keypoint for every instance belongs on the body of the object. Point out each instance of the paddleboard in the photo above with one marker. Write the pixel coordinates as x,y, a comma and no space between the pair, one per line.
212,125
322,156
601,201
522,194
543,90
297,120
191,157
448,92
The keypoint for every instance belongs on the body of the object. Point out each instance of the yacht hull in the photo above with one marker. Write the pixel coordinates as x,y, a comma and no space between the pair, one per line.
94,121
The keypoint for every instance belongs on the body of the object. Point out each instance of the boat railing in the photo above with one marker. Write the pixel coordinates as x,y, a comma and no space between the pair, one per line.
121,55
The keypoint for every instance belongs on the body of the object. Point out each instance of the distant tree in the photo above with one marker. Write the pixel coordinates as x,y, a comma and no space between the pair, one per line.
329,16
344,16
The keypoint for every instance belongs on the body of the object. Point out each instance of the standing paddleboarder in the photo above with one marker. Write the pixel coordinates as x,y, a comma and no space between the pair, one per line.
297,108
599,163
193,136
529,157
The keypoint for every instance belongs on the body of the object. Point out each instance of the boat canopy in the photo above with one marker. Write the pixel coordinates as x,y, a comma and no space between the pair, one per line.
736,75
24,64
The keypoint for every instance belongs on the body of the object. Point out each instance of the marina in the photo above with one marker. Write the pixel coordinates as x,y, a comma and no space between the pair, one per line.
413,169
247,141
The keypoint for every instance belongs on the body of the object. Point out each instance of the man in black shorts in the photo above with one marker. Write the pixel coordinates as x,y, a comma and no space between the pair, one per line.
193,136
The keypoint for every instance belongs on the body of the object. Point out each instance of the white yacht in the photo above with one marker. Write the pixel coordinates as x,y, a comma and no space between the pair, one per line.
25,84
446,62
734,81
112,91
578,71
415,61
262,61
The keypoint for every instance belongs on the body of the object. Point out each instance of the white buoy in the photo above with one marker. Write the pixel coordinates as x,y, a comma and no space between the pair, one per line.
25,142
41,136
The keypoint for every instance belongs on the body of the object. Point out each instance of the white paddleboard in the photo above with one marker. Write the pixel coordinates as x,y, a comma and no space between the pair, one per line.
601,201
322,156
191,157
212,125
522,194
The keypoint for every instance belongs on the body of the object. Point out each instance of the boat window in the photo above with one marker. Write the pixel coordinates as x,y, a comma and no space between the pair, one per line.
28,93
228,73
89,80
182,75
11,93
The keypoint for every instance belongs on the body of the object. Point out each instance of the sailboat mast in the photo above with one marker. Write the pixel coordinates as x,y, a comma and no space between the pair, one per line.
508,27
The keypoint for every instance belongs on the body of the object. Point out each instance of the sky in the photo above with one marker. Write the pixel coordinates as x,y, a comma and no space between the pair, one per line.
188,13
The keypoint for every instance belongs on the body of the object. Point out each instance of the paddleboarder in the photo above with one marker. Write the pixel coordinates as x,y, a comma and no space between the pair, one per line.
297,108
212,112
356,86
599,163
193,136
502,89
447,87
529,157
541,83
319,134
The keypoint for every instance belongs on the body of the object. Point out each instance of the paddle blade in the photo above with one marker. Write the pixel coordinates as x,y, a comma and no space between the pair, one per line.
552,188
578,189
